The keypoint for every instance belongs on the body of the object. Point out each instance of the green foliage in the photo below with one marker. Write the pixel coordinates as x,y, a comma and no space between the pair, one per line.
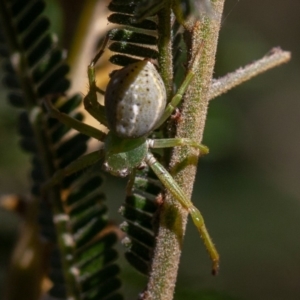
139,210
130,39
140,204
73,215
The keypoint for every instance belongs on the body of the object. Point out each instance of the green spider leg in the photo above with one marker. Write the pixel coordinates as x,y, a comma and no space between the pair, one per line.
73,123
96,110
91,104
83,161
176,99
75,166
177,10
175,142
185,20
93,107
168,181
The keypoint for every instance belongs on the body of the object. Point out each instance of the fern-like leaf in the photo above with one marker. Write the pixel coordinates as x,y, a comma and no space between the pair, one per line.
140,211
74,216
134,41
130,39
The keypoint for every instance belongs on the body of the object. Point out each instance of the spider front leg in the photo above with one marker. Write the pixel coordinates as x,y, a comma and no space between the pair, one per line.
92,106
73,123
172,186
90,101
176,99
182,89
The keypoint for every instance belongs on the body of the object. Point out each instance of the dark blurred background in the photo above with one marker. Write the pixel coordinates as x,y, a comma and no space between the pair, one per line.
247,187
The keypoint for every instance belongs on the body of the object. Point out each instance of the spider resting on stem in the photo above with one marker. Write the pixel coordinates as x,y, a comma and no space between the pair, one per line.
135,105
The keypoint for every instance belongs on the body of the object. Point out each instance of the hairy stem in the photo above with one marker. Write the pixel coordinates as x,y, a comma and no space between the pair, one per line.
173,216
273,59
165,46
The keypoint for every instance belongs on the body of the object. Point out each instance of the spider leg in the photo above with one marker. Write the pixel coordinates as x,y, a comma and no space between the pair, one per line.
73,123
93,107
176,99
181,90
172,186
90,101
75,166
175,142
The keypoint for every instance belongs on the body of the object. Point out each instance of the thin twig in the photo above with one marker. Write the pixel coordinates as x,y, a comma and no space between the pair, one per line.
273,59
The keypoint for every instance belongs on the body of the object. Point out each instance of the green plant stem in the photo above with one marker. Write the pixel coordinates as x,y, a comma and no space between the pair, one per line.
173,217
165,46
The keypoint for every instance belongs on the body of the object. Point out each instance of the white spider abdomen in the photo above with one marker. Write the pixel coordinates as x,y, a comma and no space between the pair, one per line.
135,99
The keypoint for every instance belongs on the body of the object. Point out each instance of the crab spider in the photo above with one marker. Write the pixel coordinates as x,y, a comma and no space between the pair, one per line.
135,105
